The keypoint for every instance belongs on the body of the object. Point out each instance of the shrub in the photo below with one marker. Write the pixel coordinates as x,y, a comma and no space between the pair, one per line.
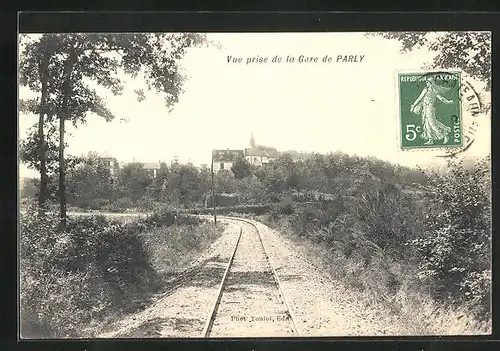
113,207
286,207
303,221
163,216
124,203
389,218
252,191
252,209
99,204
441,239
71,277
223,200
147,204
455,249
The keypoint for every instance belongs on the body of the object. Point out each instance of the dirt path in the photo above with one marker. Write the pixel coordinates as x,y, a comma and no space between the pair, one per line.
251,304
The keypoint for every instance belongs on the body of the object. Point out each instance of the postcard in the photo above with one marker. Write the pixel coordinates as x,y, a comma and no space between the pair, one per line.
229,185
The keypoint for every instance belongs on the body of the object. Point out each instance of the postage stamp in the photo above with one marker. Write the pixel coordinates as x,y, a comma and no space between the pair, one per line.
430,110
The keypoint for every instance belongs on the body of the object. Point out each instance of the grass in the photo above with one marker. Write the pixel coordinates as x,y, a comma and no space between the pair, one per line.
75,282
172,249
387,286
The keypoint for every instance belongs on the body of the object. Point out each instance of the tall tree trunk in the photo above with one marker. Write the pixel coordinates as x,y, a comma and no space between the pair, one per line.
62,173
42,197
63,116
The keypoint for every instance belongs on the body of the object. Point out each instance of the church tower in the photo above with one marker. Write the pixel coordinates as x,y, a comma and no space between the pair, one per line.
252,141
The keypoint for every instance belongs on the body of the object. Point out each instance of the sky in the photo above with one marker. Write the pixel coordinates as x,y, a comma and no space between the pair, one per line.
317,107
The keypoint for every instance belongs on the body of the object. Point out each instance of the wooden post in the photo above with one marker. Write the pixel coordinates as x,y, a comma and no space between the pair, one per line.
214,202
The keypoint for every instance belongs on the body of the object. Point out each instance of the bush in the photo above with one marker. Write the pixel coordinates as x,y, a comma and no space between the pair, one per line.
389,218
69,278
441,239
251,209
252,191
148,204
124,203
222,200
286,207
100,204
163,216
455,250
113,207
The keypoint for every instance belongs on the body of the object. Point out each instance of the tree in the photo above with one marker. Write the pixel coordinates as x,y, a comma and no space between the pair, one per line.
469,51
252,191
35,66
79,62
329,167
29,153
225,182
241,168
29,149
185,186
289,171
160,182
133,181
89,179
29,188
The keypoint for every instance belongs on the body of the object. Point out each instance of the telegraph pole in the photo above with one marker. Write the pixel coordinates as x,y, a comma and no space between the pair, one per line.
214,202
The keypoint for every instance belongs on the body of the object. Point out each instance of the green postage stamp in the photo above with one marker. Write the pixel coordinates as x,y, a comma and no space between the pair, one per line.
430,109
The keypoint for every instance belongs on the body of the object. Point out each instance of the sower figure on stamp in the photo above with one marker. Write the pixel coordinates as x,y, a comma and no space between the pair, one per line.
424,105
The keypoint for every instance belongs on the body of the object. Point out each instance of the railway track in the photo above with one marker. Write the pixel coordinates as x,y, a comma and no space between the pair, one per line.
250,301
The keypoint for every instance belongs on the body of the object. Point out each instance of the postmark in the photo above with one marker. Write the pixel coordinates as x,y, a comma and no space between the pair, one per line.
471,109
430,110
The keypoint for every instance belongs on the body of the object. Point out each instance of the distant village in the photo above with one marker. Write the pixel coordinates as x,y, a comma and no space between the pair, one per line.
255,155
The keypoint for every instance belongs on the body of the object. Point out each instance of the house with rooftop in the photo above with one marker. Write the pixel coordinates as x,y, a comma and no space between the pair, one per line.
258,155
152,168
223,159
110,162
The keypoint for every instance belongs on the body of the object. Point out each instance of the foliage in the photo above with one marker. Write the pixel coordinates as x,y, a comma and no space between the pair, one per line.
389,218
65,68
455,250
225,182
69,278
391,227
133,180
469,51
98,267
89,179
441,237
251,191
185,185
242,209
172,248
222,200
29,153
29,188
241,168
99,57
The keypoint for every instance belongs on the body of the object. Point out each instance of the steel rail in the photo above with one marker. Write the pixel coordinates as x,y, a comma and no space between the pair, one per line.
209,323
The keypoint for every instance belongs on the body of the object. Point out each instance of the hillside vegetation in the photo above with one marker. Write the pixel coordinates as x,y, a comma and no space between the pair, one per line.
413,239
74,282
